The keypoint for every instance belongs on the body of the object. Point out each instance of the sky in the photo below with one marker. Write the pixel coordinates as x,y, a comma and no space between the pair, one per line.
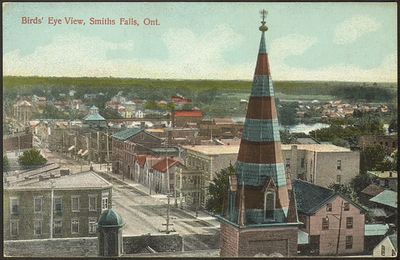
305,41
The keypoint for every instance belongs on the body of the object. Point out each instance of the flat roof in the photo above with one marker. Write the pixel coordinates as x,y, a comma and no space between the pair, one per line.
82,180
234,148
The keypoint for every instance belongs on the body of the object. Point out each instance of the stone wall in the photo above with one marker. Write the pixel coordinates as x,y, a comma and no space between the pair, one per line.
160,243
58,247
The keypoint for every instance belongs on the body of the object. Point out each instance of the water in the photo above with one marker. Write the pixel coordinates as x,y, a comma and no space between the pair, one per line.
299,128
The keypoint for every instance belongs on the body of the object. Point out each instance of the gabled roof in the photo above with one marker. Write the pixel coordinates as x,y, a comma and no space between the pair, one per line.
94,117
165,164
188,113
141,159
393,240
130,132
310,197
386,197
372,190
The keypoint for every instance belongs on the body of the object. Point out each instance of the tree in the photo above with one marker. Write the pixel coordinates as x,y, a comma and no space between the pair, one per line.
361,181
287,113
346,190
6,163
371,158
218,190
31,158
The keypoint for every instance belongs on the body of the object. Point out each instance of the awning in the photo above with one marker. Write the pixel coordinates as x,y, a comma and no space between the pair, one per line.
80,151
71,148
85,152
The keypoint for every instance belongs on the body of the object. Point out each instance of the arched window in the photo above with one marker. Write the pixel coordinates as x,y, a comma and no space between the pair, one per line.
269,204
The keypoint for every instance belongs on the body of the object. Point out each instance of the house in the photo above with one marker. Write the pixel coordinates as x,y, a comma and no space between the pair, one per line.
181,118
78,200
386,179
369,192
387,247
164,172
374,233
386,201
180,100
334,223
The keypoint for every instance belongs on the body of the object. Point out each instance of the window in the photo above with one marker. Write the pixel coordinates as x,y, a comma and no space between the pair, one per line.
382,250
329,207
92,202
339,179
37,201
346,206
393,252
75,203
287,162
92,225
269,204
37,227
58,205
339,164
349,222
57,227
74,226
104,201
325,223
14,227
302,163
349,242
14,205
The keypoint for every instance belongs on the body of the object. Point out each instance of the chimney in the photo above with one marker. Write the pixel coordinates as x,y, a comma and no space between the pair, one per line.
64,172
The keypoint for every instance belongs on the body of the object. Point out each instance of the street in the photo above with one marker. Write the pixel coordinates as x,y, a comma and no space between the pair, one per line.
144,213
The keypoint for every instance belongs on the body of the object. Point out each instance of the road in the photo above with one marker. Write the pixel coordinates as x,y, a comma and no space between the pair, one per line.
145,214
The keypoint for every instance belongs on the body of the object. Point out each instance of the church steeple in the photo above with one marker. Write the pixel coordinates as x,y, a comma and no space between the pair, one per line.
259,200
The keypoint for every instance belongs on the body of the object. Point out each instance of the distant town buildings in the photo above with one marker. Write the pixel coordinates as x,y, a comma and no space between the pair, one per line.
388,142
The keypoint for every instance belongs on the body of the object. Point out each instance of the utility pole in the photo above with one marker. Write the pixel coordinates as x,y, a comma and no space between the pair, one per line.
51,208
167,230
340,225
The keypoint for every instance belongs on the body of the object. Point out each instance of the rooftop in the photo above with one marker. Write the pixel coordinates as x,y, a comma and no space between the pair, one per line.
386,197
213,149
94,117
384,174
316,147
83,180
310,197
373,190
127,133
393,240
188,113
165,164
376,229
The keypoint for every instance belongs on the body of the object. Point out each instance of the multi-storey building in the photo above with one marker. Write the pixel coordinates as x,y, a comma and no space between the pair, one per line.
334,223
321,164
388,142
54,204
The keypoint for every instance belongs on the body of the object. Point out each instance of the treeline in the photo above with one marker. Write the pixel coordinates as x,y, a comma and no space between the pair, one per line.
196,89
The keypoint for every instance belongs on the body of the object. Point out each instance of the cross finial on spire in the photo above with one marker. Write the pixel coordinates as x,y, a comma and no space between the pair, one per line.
263,27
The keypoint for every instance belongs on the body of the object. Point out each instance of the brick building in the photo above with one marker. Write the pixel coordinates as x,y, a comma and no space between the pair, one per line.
183,118
128,143
17,142
334,223
78,200
389,142
260,216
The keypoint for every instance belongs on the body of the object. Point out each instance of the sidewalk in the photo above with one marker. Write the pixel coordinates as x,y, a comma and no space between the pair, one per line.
201,214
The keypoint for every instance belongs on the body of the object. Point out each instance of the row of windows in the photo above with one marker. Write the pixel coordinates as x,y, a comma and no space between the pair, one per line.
383,251
58,204
346,206
325,223
57,227
302,164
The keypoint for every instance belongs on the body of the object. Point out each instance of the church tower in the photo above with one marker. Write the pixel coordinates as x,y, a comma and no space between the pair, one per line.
260,216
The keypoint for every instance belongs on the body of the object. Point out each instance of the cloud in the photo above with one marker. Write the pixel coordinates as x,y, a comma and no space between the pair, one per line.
189,56
351,29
